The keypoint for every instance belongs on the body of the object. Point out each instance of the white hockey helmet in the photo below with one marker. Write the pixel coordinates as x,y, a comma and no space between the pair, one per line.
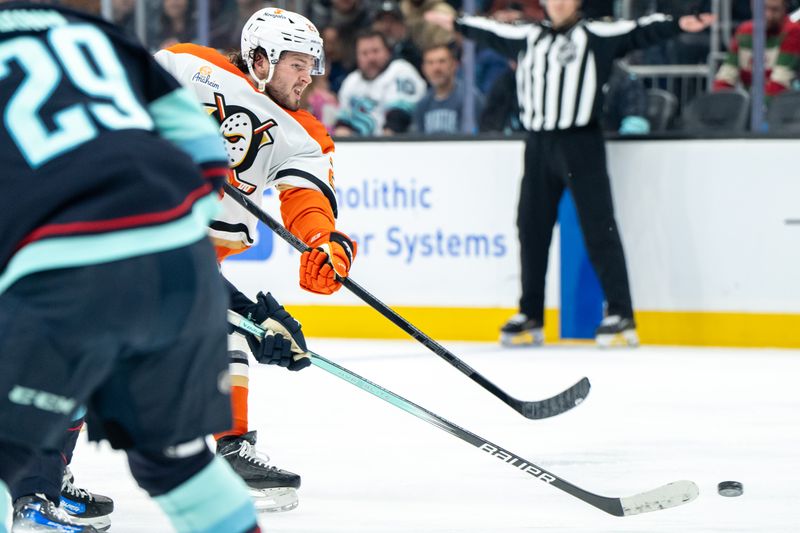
277,31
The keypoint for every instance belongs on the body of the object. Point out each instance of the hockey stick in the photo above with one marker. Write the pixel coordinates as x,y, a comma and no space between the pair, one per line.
555,405
664,497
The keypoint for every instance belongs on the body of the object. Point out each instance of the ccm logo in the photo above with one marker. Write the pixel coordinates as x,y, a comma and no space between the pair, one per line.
513,460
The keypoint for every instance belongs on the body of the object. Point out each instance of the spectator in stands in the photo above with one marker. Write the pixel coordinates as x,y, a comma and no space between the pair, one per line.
514,10
598,9
501,109
123,15
782,52
489,66
321,101
489,63
441,109
335,69
87,6
625,104
390,22
176,24
227,20
349,17
686,48
424,32
379,97
740,9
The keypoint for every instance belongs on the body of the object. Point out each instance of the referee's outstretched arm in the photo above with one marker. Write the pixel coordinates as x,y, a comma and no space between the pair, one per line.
620,36
561,69
624,36
508,39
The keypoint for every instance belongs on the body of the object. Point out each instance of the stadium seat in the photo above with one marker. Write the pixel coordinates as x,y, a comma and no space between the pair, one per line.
661,107
722,111
783,115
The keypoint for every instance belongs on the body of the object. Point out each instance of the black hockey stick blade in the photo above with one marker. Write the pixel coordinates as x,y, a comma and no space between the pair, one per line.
664,497
561,402
530,409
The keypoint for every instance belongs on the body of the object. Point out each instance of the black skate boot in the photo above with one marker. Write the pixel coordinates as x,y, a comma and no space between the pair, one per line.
271,488
521,331
616,331
84,506
34,514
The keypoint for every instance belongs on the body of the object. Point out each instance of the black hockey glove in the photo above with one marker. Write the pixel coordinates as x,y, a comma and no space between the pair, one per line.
284,343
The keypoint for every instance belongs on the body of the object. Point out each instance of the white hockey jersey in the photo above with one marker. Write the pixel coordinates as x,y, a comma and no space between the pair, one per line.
267,145
364,103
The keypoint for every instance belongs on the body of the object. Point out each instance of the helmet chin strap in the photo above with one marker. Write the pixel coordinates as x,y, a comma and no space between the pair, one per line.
262,84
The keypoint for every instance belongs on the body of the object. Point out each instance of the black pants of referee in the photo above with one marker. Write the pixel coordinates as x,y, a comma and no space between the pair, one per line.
575,159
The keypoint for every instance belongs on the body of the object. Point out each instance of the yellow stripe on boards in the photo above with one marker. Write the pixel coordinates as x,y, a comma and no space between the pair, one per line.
483,324
440,323
746,330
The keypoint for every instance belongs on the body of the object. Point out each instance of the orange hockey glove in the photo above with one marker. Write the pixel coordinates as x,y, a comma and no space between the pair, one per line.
331,255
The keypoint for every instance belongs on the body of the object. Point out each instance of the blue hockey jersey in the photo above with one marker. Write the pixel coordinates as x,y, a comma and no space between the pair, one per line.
103,155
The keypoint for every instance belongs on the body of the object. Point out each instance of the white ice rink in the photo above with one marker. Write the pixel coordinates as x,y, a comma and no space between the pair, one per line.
654,415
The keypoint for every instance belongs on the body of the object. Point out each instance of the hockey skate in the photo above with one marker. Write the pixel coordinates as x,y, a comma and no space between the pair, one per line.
34,514
521,331
83,506
616,331
271,488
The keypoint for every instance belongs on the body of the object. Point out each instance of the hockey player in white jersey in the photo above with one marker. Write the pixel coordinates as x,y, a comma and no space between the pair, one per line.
379,97
255,96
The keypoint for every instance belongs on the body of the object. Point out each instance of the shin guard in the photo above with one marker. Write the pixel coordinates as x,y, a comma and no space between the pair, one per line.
215,500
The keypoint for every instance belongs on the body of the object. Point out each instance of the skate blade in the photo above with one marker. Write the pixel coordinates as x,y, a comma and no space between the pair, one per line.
276,500
625,339
103,523
526,338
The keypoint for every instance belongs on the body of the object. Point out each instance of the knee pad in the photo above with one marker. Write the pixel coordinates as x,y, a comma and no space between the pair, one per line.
160,472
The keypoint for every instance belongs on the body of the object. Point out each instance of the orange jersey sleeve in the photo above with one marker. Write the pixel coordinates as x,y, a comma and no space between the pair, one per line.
306,213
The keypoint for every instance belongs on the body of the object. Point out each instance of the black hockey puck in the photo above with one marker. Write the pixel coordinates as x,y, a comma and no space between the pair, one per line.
730,488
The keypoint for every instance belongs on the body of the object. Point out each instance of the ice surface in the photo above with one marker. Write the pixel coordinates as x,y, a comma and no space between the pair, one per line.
654,415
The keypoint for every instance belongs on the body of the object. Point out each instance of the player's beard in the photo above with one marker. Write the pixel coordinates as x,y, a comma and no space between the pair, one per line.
285,98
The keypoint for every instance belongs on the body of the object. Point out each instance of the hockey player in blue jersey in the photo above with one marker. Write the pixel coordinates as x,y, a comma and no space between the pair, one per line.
110,297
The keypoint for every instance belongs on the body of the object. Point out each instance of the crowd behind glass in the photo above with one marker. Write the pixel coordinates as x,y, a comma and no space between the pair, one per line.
411,32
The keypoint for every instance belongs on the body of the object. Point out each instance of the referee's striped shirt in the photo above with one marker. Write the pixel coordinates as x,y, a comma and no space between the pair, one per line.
561,73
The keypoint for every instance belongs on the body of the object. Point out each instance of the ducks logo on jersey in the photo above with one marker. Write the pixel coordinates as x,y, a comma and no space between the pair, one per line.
244,136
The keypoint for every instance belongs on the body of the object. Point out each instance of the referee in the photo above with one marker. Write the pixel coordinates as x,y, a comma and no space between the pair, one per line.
562,65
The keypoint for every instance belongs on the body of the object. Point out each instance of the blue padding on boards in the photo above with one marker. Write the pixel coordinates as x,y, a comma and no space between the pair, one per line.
581,295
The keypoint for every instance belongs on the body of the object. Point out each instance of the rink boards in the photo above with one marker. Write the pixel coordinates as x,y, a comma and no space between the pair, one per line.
711,230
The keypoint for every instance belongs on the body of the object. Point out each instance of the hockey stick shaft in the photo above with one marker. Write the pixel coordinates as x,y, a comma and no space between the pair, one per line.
530,409
667,496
